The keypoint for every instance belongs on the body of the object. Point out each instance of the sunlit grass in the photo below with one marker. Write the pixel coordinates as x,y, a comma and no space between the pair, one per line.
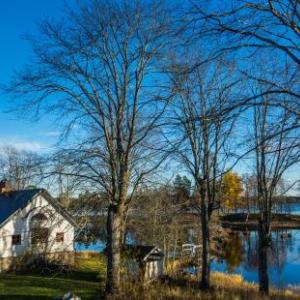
224,287
91,263
38,287
88,278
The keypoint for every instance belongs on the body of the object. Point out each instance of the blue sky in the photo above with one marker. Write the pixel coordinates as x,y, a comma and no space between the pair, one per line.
17,18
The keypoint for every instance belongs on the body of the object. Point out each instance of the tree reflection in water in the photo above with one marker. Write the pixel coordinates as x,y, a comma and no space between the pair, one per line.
241,250
233,251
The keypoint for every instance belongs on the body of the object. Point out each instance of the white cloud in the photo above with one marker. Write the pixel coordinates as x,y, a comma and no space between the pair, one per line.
50,133
21,144
29,146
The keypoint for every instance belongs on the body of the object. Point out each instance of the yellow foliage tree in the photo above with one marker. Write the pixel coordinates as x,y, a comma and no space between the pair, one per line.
232,190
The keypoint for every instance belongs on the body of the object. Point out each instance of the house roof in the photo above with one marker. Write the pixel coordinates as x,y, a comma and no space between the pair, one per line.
143,253
13,201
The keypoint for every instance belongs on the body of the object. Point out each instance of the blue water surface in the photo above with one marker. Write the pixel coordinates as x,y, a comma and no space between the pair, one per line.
241,257
284,258
98,246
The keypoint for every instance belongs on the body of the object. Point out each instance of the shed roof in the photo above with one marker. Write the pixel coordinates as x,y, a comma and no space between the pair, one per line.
143,252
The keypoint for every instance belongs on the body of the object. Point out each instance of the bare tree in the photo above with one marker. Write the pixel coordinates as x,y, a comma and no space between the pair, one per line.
264,34
21,168
252,30
250,195
204,133
100,71
276,150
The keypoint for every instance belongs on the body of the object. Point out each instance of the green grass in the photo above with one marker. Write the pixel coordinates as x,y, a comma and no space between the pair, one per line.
86,280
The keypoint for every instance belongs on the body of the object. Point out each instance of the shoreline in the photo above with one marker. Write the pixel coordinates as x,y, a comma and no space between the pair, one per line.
244,221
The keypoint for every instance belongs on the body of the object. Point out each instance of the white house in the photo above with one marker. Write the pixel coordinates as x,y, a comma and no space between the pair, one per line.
33,223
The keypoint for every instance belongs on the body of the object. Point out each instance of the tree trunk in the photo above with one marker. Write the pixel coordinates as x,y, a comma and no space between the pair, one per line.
263,245
113,247
205,271
165,251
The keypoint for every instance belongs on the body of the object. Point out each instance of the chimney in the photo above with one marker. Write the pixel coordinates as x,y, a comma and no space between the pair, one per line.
4,187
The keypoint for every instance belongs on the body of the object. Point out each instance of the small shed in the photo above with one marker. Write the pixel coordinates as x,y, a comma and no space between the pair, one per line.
143,263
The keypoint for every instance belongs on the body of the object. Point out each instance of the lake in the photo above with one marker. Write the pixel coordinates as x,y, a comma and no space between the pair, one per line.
284,256
97,246
293,209
240,257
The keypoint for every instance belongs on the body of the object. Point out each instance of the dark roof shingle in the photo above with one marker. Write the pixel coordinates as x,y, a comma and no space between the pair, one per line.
141,252
12,201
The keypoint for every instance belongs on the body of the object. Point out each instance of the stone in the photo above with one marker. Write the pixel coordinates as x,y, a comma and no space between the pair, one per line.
70,296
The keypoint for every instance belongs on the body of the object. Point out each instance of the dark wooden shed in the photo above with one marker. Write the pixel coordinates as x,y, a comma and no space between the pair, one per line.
143,262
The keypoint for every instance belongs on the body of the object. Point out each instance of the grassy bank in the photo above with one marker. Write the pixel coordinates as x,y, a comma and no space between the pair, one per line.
225,287
242,221
88,278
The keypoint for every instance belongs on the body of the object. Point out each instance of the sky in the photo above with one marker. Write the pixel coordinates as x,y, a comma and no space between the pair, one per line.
18,18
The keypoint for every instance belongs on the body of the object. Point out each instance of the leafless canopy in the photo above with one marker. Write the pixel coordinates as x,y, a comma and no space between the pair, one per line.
93,70
204,134
100,71
256,30
21,168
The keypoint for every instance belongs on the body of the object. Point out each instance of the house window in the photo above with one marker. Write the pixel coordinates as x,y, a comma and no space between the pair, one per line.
39,229
39,235
59,237
16,239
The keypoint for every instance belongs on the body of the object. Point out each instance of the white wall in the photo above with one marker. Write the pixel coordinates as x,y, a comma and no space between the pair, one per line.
20,223
154,269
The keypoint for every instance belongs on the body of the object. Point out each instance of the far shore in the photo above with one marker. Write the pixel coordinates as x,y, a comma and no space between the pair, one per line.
244,221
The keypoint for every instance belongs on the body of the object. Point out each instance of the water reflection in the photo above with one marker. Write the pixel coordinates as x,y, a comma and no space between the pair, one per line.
240,256
233,252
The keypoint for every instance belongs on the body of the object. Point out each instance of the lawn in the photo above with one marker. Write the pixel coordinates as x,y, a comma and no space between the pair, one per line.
88,277
86,280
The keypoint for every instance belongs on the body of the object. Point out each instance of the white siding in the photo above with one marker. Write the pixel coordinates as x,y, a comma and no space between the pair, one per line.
154,269
20,224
